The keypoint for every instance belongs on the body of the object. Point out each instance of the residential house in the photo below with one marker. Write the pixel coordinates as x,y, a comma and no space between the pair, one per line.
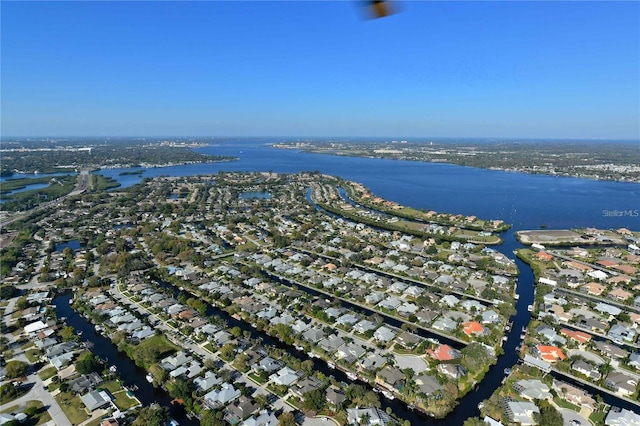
621,383
264,418
521,412
610,351
285,377
239,410
444,353
207,382
532,389
573,394
367,417
335,396
587,369
453,371
428,385
548,353
96,399
384,334
621,417
219,397
391,377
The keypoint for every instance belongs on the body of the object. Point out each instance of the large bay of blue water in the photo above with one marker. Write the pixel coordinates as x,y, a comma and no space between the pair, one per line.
525,200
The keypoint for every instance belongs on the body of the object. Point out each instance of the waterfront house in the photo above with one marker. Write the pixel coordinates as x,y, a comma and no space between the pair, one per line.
305,385
445,324
367,417
429,385
473,328
573,394
444,353
621,383
96,399
207,382
620,333
285,377
521,412
610,351
331,343
219,397
587,369
621,417
371,362
548,353
537,363
453,371
579,336
532,389
391,376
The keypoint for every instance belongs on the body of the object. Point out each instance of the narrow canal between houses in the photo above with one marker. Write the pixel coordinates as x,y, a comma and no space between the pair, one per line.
132,375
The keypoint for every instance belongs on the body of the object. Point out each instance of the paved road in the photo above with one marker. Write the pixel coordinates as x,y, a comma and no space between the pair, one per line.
81,186
38,391
177,337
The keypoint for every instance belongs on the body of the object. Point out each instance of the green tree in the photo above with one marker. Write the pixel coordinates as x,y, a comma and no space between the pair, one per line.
15,369
67,333
313,400
7,392
152,416
549,415
87,364
287,419
212,418
474,357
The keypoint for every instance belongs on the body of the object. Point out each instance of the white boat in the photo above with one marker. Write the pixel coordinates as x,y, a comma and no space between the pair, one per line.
530,308
516,296
331,364
149,378
351,375
388,395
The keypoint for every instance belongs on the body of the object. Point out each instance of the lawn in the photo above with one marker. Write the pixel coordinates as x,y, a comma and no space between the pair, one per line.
47,373
160,343
122,399
33,355
72,407
40,416
564,404
597,417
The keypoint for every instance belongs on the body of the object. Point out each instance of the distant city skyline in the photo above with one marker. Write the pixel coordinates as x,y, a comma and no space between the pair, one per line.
539,70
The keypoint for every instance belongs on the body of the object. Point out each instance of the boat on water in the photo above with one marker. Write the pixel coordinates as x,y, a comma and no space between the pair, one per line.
351,375
507,371
516,296
530,308
149,378
79,333
331,364
113,368
480,405
388,395
411,406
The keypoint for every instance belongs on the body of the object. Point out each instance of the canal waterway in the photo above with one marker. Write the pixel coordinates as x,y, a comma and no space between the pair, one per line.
129,372
524,200
397,406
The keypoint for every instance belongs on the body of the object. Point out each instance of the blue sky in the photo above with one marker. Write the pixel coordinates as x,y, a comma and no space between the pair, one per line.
315,68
